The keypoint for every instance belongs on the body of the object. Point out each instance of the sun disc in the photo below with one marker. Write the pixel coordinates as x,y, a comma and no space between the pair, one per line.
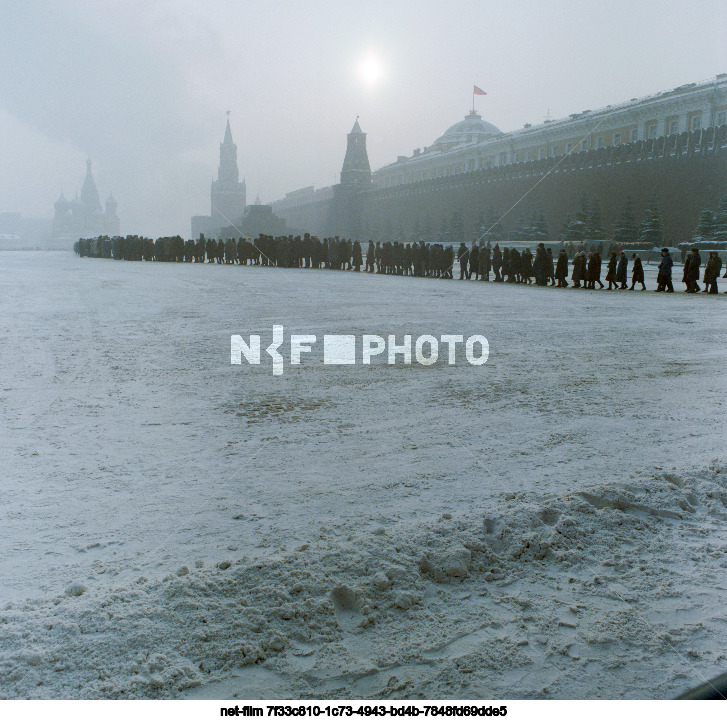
371,70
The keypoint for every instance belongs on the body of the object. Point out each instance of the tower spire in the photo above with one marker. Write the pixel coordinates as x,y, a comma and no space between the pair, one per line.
89,192
228,133
356,169
228,193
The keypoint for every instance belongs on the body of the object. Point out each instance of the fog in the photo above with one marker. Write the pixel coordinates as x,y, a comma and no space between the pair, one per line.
142,88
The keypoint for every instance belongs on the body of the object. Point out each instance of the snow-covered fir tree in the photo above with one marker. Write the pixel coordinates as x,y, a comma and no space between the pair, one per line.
651,230
704,232
594,224
626,230
719,233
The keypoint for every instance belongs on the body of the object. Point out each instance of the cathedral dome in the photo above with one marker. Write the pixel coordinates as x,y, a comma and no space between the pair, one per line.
470,130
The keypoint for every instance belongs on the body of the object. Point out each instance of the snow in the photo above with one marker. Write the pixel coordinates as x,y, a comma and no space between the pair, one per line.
548,525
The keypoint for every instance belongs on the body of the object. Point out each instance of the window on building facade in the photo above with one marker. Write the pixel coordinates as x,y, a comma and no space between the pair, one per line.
503,158
542,153
651,131
585,143
634,134
673,127
617,138
516,157
568,147
601,143
696,122
553,151
722,117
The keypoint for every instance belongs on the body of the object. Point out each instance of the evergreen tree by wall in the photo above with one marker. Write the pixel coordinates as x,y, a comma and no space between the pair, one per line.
539,226
583,210
626,230
575,232
720,222
594,224
704,232
520,231
456,227
651,230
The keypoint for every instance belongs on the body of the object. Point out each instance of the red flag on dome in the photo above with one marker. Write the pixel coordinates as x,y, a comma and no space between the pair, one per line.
479,91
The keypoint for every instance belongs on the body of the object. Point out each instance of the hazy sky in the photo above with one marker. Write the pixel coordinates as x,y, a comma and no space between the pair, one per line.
142,86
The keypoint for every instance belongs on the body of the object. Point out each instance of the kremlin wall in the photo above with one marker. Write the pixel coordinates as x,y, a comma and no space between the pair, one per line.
671,146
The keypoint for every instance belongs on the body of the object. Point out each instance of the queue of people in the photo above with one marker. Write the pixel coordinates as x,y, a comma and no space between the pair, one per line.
432,260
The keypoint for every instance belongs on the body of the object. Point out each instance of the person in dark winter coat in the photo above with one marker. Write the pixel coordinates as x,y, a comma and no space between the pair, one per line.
561,269
622,271
540,265
597,259
549,266
370,254
485,261
691,274
526,266
593,271
357,260
637,274
497,262
611,272
579,269
462,255
711,272
474,260
514,274
663,278
685,272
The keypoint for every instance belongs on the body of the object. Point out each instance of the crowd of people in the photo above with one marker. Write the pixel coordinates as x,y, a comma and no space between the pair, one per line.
431,260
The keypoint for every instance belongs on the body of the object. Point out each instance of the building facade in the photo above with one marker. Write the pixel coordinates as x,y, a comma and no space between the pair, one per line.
670,146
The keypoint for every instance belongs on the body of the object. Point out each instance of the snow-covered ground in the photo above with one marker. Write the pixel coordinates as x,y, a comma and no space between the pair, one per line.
548,525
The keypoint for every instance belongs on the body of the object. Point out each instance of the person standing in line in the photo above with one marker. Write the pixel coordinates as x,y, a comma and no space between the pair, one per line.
540,269
579,272
622,271
370,252
663,278
474,260
592,271
637,274
611,271
526,263
549,266
561,269
497,262
685,272
485,261
448,257
711,272
597,257
462,258
693,275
